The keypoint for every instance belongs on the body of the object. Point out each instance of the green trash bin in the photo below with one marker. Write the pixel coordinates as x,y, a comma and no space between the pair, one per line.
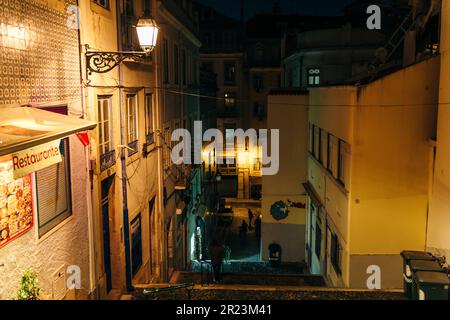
432,285
422,265
409,256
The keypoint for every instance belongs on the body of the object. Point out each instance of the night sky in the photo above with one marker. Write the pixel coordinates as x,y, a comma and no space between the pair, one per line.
308,7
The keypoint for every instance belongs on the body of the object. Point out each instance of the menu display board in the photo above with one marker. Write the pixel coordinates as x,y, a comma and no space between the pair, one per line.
16,203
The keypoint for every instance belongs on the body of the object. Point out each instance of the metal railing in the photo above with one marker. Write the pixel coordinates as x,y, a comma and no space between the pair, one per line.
155,292
107,160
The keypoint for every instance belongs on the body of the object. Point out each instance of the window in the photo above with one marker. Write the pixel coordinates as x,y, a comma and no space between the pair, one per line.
166,148
129,8
230,100
53,193
230,73
105,124
184,67
323,147
136,244
342,162
166,60
311,138
102,3
132,122
335,254
318,244
176,64
258,82
333,143
149,132
258,110
313,77
316,142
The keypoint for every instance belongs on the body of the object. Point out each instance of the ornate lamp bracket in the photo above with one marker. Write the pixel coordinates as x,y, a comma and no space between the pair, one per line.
105,61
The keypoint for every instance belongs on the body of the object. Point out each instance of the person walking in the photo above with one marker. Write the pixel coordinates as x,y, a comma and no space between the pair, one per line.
243,229
217,254
250,218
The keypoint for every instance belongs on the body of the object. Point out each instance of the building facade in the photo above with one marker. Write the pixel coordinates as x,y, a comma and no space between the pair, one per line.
438,239
368,174
283,197
46,217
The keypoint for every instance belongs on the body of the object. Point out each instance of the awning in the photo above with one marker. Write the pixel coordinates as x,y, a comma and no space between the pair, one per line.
26,127
312,194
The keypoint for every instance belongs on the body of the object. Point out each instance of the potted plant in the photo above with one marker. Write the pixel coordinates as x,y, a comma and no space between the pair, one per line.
29,287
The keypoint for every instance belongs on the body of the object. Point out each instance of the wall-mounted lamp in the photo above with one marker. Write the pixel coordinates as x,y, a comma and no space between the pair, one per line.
104,61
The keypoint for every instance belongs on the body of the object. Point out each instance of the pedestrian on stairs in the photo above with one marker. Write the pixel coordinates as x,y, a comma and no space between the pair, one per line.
217,254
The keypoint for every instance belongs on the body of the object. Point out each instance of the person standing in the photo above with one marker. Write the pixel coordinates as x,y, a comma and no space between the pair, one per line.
258,227
217,254
250,218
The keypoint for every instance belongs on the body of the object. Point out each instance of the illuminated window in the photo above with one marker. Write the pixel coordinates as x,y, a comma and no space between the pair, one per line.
313,77
102,3
230,100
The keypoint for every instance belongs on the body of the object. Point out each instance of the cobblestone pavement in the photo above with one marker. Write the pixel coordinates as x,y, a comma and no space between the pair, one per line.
238,293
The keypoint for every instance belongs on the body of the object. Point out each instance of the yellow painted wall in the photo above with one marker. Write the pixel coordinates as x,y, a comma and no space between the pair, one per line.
438,238
395,118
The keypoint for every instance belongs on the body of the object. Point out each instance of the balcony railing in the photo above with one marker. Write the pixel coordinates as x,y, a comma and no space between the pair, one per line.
134,148
107,160
150,138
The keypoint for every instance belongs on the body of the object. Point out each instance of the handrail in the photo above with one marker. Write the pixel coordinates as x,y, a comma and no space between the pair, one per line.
189,286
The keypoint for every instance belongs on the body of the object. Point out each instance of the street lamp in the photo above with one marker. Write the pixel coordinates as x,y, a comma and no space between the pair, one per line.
104,61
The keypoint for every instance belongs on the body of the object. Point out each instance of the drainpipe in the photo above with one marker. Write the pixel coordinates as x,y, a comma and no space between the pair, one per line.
93,272
162,258
123,160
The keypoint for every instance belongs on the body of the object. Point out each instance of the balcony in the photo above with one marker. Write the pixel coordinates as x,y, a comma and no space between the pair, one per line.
134,148
150,138
107,160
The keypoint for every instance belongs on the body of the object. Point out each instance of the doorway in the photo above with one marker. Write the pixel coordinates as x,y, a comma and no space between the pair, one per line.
106,187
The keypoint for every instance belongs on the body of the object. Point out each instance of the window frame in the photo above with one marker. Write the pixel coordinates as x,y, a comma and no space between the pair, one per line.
62,216
335,253
315,77
132,137
318,239
176,64
166,63
106,6
135,269
101,124
230,81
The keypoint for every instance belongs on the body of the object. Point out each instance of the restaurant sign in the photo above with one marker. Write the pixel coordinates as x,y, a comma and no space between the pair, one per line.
36,158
